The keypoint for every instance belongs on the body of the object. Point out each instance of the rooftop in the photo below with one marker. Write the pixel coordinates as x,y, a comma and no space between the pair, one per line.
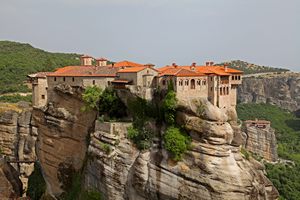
93,71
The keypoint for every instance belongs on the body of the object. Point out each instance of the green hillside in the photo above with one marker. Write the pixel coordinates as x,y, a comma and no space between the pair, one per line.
286,178
18,59
249,68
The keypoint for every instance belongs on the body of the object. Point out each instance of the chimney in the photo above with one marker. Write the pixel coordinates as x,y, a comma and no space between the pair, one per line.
86,60
225,67
149,65
211,63
174,65
207,63
193,66
101,62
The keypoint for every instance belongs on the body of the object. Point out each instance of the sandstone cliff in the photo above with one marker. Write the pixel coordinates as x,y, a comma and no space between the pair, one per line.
17,138
213,168
62,132
279,89
262,141
10,184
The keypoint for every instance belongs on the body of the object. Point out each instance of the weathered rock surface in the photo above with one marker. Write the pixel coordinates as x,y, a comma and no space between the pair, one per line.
262,141
17,140
62,136
281,89
211,169
10,184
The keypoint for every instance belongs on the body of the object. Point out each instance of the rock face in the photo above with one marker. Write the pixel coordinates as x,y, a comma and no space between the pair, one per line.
10,184
262,141
211,169
17,140
282,90
62,136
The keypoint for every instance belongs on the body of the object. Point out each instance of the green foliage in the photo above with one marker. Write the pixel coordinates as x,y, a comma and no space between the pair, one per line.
91,195
111,104
91,97
245,153
248,68
169,107
287,126
176,142
15,98
106,148
141,136
36,183
17,60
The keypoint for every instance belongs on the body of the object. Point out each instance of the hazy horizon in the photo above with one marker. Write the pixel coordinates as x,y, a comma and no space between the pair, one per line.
161,31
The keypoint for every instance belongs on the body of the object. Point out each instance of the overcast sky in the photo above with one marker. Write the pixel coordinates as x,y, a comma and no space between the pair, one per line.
265,32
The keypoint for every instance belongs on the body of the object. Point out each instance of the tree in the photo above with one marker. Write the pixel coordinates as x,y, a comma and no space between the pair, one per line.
176,142
91,97
169,107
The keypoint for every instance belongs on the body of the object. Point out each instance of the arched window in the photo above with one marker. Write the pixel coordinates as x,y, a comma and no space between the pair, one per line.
54,78
227,90
198,82
204,82
224,92
73,79
221,91
180,82
94,82
239,77
164,82
186,82
192,84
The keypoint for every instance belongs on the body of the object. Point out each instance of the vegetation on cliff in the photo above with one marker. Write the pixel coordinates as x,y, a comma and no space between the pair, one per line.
15,98
17,60
36,183
286,178
249,68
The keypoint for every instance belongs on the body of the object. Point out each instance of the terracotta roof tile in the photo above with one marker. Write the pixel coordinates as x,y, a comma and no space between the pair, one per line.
131,69
85,71
126,63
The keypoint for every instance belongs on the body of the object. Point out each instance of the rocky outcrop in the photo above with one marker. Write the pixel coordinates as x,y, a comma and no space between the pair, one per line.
282,90
211,169
62,136
17,140
10,184
262,141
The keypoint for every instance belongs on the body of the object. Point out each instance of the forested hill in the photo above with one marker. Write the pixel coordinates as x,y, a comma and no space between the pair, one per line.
17,60
249,68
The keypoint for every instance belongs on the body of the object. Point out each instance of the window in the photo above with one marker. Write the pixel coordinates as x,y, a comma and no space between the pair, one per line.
221,91
211,78
227,90
54,78
94,82
164,82
186,82
198,82
73,79
232,77
224,92
239,77
204,82
192,84
43,96
180,82
64,78
211,88
147,71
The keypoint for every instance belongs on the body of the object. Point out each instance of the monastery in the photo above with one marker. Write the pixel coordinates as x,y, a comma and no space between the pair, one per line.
216,83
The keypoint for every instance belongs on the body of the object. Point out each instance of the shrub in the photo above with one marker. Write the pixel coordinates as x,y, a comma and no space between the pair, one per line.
91,98
15,98
176,142
169,107
142,137
245,153
111,104
36,183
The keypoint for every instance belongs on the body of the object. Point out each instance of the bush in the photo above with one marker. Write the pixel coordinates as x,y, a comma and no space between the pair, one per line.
111,104
176,142
142,137
169,107
91,98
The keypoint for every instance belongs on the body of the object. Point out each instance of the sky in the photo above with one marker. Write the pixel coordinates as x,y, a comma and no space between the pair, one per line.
264,32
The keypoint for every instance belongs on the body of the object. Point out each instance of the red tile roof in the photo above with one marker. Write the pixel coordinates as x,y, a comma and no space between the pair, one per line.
126,63
219,70
93,71
131,69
